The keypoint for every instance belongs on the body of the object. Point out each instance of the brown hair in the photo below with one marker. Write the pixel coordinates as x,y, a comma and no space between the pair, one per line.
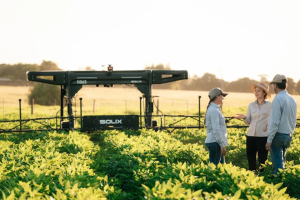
265,96
210,100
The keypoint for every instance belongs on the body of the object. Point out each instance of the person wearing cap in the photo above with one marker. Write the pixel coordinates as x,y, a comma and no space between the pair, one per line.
282,122
216,139
257,118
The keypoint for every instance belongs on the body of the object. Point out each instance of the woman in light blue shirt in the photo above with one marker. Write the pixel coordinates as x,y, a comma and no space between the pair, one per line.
216,139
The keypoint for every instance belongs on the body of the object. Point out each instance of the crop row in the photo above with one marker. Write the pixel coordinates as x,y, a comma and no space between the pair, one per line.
140,164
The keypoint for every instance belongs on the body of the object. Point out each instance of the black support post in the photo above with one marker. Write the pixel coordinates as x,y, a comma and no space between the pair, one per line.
140,112
62,94
20,114
199,98
80,112
69,96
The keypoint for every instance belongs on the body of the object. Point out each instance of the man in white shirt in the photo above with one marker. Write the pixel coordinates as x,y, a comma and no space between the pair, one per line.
282,122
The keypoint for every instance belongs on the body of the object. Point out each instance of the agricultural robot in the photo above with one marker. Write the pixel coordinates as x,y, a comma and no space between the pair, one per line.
72,81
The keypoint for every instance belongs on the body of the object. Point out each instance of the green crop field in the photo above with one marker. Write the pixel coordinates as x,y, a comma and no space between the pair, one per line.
136,165
128,164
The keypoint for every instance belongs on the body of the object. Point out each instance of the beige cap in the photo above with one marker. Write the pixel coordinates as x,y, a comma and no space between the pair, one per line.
216,92
262,86
279,78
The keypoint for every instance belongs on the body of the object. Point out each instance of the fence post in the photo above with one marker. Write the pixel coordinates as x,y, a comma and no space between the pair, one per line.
94,107
75,120
199,111
157,107
20,114
32,104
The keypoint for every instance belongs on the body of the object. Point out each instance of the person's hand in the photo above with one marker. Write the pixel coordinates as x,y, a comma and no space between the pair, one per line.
268,146
240,116
223,151
266,128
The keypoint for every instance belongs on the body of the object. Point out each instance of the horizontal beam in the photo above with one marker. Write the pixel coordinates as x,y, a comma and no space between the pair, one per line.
105,77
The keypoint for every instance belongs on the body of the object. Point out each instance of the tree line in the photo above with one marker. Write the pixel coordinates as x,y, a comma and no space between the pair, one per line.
209,81
17,73
42,94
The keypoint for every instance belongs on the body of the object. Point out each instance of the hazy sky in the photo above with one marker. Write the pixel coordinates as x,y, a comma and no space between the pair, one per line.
232,39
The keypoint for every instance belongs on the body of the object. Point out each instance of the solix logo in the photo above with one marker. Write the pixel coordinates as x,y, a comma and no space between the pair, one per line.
111,121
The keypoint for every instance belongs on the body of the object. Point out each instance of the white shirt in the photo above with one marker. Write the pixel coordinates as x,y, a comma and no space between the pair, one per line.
283,117
215,126
257,118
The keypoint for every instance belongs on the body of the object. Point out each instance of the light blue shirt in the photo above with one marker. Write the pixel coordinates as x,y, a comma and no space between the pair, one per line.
283,116
215,126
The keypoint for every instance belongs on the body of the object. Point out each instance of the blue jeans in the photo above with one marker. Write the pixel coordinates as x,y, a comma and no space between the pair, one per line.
214,150
281,142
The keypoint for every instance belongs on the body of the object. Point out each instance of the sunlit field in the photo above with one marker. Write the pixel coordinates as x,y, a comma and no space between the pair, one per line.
100,100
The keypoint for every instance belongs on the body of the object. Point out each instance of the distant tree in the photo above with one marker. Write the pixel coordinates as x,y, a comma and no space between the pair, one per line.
205,83
186,84
224,84
209,81
48,65
158,67
263,78
240,85
291,88
17,71
297,89
5,71
44,94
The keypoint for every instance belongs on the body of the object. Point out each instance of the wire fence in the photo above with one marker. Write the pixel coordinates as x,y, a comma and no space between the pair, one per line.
101,106
28,116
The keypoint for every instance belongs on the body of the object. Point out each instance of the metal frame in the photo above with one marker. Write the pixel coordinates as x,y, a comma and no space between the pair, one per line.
71,82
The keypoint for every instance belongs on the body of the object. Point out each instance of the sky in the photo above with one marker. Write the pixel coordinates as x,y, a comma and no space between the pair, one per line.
231,39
